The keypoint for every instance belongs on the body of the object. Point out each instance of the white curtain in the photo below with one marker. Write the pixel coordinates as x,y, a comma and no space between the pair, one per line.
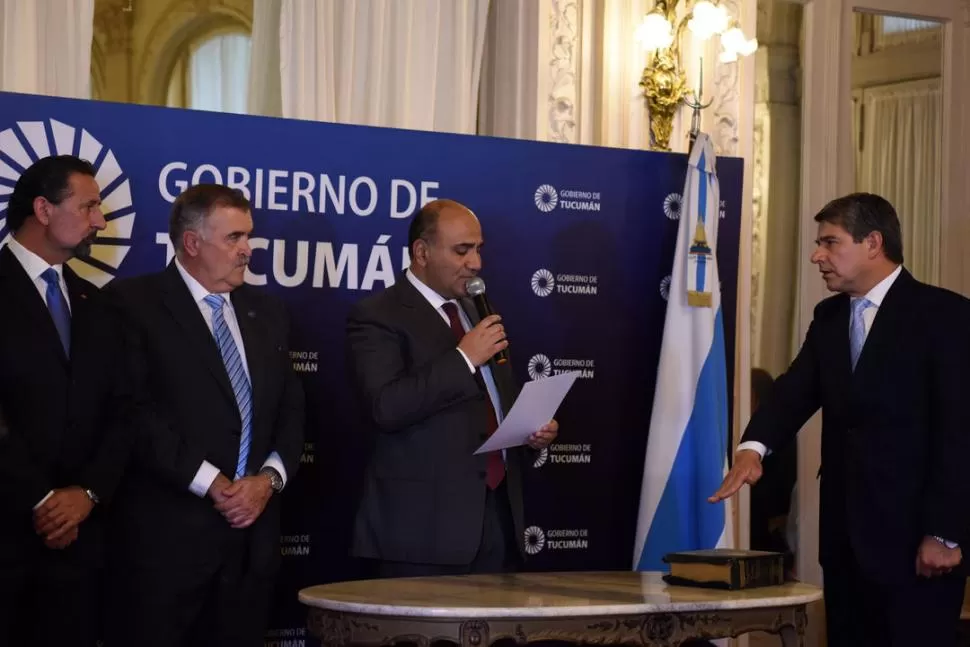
901,161
45,47
219,73
508,97
611,108
265,96
400,63
622,119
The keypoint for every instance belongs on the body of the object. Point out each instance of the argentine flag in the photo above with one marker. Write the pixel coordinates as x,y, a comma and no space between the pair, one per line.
686,456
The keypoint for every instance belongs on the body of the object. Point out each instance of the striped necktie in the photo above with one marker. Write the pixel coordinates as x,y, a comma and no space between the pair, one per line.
237,377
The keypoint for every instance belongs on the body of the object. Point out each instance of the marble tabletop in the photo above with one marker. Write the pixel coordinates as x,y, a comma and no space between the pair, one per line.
538,595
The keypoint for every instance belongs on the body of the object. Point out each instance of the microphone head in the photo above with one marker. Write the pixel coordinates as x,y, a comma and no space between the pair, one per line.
475,286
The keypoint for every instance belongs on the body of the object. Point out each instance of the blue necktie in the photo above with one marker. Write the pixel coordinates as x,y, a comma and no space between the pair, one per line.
237,377
857,329
57,304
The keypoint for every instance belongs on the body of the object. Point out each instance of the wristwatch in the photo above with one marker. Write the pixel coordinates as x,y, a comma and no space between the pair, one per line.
91,495
275,480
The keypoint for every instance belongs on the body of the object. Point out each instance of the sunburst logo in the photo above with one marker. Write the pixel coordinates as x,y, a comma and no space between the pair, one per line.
29,141
546,198
541,458
543,282
539,367
535,540
672,205
665,287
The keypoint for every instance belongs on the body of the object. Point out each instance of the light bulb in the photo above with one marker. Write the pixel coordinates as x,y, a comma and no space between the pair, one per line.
733,40
708,19
655,32
748,47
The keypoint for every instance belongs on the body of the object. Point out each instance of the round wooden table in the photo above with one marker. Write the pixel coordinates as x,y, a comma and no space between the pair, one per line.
604,608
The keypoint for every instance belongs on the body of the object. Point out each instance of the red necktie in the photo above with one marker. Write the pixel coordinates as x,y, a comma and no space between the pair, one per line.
495,471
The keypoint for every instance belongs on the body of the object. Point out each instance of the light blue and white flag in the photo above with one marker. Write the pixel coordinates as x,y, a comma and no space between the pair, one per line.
686,456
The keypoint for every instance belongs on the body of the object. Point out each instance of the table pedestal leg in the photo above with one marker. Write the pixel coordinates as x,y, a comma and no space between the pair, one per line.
790,637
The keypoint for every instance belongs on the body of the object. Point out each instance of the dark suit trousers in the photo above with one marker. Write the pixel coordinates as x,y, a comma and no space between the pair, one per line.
48,598
497,553
218,606
919,611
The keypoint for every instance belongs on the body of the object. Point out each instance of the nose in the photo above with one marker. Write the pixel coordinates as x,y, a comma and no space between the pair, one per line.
245,248
817,256
473,261
97,219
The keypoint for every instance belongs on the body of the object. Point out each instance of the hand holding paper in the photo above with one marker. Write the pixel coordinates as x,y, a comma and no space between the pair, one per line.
545,436
533,409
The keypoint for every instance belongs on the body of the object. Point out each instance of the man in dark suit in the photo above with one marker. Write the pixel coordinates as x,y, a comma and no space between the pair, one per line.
62,440
422,365
887,361
219,424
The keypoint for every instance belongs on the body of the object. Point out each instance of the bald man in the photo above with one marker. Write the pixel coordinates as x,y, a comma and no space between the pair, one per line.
430,391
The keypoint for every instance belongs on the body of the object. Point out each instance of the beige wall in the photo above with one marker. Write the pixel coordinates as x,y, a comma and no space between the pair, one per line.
136,42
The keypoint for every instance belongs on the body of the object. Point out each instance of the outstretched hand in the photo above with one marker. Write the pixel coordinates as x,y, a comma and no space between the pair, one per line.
747,469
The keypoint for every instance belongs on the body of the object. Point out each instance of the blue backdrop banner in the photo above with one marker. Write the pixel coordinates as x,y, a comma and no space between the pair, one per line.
580,243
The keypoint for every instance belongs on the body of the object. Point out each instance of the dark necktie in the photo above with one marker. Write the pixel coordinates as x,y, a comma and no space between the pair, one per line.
495,471
57,305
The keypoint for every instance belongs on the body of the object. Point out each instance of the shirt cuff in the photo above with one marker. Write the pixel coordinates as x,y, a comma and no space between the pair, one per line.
471,367
276,463
203,479
44,500
753,445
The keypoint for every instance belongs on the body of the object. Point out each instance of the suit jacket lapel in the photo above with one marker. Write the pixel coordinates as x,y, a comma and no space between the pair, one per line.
429,320
32,306
185,312
840,336
885,327
253,342
79,293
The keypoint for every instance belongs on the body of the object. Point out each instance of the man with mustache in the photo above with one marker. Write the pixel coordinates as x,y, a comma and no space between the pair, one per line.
886,360
422,364
62,409
218,422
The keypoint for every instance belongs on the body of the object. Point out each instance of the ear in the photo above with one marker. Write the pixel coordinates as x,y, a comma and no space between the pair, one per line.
42,210
419,253
191,241
874,243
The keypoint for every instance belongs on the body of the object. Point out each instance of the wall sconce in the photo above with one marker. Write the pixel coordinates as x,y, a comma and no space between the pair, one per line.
664,83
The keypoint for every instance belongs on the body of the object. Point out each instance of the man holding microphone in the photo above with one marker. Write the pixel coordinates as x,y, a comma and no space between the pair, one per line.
422,364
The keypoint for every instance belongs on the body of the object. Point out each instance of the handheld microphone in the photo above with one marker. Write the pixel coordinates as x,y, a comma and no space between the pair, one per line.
476,290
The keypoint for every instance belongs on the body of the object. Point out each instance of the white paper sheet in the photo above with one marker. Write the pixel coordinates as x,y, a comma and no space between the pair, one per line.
536,405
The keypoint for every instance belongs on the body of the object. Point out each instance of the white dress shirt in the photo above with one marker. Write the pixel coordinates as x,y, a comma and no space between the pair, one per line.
35,266
208,472
436,301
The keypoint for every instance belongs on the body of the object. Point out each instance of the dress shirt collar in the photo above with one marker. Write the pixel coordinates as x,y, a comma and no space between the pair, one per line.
195,288
33,264
878,293
432,297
